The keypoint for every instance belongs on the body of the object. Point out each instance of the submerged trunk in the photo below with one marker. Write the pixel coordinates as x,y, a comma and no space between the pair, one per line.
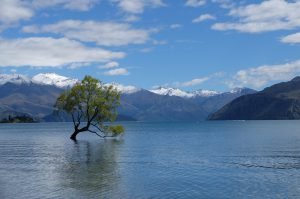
73,136
77,130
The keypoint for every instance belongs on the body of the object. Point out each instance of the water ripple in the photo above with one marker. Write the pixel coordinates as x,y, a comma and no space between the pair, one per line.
154,160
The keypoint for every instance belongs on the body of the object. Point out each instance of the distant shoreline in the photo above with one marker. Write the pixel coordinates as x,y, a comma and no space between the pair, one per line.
18,119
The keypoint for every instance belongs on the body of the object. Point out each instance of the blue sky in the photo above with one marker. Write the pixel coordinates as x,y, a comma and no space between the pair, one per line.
190,44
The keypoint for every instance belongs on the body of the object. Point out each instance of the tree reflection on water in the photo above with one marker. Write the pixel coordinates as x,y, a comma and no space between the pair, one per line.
91,168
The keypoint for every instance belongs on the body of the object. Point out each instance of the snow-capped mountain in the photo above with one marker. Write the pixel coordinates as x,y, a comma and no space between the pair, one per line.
14,78
199,93
171,92
65,82
180,93
42,78
36,96
54,80
239,90
205,93
124,89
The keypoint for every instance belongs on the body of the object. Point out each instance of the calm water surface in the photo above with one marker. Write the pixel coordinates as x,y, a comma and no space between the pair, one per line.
257,159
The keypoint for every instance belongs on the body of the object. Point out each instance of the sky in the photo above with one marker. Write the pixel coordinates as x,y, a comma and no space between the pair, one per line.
187,44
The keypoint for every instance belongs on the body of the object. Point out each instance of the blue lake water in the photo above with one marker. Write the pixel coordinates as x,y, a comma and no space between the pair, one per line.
224,159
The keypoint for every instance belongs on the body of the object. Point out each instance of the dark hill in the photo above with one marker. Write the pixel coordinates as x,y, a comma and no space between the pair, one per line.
33,99
278,102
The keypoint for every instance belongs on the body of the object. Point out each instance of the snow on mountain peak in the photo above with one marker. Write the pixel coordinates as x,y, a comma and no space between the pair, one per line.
65,82
180,93
205,93
237,90
14,78
54,79
171,92
123,89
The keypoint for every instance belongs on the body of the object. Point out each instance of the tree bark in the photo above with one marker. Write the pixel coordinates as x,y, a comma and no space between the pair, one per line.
77,131
73,136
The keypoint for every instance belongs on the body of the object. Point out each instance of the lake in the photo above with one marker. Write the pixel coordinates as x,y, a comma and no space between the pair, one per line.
217,159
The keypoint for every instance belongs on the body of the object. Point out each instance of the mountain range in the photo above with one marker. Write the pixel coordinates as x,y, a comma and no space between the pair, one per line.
35,97
278,102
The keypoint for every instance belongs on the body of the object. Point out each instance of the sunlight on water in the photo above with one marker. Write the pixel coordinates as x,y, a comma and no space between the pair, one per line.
258,159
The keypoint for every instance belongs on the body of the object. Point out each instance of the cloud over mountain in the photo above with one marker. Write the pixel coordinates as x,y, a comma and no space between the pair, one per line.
80,5
266,16
195,3
137,6
51,52
102,33
204,17
12,11
259,76
116,72
292,39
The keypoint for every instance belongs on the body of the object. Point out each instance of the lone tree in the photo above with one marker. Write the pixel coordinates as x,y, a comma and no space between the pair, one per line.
91,104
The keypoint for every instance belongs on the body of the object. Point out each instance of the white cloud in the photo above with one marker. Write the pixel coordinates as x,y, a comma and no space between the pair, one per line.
292,39
124,89
103,33
192,82
132,18
270,15
78,65
259,76
50,52
195,81
225,3
31,29
204,17
80,5
116,72
12,11
108,65
195,3
175,26
132,6
137,6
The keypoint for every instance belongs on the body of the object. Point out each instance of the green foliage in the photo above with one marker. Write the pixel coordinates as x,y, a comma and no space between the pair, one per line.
116,130
92,102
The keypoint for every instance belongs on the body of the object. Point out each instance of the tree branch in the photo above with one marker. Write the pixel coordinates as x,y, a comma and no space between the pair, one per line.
73,120
101,130
96,133
94,115
95,125
79,116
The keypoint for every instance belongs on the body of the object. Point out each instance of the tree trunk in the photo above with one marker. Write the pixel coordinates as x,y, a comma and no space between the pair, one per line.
77,130
73,136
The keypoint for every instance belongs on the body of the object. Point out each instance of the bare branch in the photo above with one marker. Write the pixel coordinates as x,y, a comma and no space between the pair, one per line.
95,125
101,130
96,133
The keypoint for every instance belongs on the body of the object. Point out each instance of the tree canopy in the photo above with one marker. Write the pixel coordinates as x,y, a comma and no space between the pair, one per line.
91,104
